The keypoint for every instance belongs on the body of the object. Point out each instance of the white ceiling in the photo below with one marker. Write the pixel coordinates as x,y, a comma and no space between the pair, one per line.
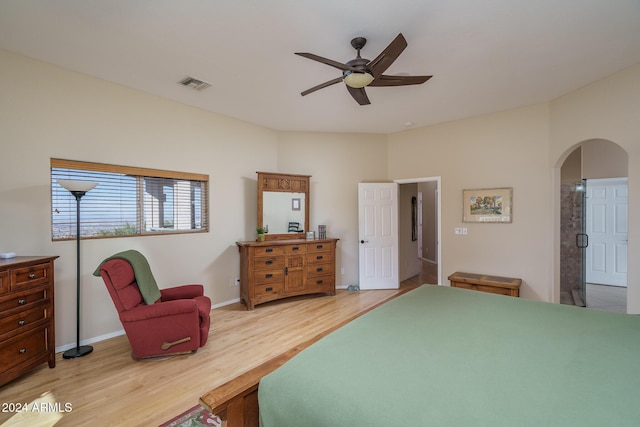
485,56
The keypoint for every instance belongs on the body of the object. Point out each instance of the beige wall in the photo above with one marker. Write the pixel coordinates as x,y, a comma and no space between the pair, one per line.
603,159
46,111
409,264
49,112
507,149
605,110
337,163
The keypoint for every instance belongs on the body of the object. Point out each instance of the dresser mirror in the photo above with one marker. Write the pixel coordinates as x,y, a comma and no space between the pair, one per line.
283,205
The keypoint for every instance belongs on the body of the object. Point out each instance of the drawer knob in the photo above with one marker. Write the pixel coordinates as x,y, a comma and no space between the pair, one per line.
269,262
21,322
22,351
319,246
319,257
269,250
269,289
319,282
32,276
319,269
22,301
295,248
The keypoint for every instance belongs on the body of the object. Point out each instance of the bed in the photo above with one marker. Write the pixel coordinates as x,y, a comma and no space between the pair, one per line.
440,356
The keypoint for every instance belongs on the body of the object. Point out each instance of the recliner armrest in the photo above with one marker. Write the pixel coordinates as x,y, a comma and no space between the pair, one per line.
181,292
160,309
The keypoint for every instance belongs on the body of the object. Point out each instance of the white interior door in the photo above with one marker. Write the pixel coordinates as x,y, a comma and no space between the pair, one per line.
378,232
607,220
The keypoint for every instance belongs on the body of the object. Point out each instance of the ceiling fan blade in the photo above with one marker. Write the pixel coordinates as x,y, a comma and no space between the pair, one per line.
399,80
359,95
322,85
383,61
330,62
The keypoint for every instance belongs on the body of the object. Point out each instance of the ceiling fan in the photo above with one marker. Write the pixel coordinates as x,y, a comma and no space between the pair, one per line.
360,72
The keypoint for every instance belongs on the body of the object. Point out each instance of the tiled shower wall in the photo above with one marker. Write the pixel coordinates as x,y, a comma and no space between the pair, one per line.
570,254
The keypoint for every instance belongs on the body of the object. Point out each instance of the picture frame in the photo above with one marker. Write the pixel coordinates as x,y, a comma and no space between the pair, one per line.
295,204
488,205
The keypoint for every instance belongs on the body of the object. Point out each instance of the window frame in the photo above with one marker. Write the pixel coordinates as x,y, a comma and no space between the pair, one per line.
141,175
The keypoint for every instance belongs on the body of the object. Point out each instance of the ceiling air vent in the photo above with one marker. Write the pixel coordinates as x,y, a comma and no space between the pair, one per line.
194,83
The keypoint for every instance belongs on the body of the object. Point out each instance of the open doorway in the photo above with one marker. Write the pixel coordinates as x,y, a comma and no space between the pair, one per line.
601,166
419,231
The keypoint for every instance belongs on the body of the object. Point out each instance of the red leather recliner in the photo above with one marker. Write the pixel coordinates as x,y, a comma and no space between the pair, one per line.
177,323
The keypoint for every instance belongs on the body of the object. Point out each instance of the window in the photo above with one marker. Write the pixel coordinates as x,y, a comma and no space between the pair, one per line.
128,201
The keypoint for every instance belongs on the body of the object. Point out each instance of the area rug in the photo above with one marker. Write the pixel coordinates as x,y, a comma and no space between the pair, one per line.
194,417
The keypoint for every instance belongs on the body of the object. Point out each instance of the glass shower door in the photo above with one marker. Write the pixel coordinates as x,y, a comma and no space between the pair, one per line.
582,241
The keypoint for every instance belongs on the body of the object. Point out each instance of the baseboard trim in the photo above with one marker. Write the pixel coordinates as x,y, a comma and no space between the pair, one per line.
114,334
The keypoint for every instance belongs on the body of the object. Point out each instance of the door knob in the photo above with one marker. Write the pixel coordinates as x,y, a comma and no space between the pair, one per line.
364,241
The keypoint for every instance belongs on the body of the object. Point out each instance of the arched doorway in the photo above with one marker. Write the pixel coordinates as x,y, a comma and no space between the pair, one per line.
593,161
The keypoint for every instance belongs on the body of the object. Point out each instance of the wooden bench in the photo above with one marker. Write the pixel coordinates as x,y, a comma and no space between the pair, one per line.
481,282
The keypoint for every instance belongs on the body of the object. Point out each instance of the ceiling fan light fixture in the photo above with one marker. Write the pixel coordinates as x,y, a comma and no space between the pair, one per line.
357,80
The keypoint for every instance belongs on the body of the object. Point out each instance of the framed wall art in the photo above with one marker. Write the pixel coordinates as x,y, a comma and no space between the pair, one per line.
488,205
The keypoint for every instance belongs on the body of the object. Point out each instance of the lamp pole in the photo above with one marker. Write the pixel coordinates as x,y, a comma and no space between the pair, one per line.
78,189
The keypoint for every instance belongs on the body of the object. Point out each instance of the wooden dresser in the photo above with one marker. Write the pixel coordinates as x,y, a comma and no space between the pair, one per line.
283,268
481,282
27,330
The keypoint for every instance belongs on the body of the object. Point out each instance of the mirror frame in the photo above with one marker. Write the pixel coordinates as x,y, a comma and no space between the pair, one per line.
284,183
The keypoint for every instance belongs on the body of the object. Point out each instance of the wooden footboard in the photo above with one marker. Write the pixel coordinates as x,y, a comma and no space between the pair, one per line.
236,402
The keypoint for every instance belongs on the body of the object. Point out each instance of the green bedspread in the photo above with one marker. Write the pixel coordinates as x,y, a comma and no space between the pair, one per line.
440,356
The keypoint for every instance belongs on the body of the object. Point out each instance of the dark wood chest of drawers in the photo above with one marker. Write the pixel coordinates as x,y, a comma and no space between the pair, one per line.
27,329
282,268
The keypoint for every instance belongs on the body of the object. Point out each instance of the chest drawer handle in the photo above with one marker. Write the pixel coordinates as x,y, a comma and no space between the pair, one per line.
295,248
319,282
22,351
269,289
269,262
269,250
268,276
319,269
319,246
32,276
22,301
319,257
21,322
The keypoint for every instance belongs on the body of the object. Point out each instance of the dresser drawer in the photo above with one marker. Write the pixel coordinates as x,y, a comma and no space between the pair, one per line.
22,320
320,270
319,247
23,300
320,283
268,289
268,276
29,277
20,349
268,263
295,249
319,257
269,250
4,282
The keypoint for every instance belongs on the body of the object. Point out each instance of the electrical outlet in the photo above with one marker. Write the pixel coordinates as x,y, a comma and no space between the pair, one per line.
237,281
342,270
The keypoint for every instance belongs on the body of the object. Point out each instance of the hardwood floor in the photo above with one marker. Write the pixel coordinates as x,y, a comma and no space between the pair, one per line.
108,387
428,274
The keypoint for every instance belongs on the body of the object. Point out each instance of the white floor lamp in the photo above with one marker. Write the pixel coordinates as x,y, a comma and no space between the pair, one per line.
78,189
